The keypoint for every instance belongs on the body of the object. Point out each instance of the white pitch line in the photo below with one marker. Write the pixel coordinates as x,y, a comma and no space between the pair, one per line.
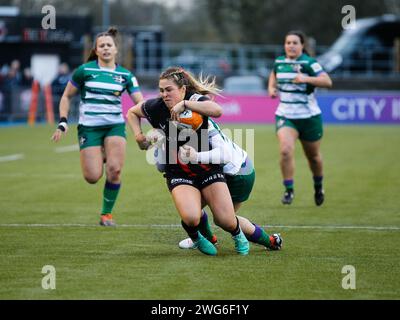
173,226
12,157
70,148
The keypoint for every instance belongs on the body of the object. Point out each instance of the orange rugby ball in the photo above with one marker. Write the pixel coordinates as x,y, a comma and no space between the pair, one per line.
189,119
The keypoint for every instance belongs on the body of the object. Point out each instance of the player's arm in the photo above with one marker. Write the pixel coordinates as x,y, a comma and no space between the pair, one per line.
133,88
272,88
220,153
322,80
205,107
133,117
69,92
314,75
136,97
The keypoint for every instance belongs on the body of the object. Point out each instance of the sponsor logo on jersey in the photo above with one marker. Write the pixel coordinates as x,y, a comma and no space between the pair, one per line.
297,67
135,82
316,67
118,78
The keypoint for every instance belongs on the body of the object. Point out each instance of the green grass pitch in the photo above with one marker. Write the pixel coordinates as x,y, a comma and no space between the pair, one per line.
49,216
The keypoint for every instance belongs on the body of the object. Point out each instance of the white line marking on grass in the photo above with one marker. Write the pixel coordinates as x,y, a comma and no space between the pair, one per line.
71,148
12,157
388,228
173,226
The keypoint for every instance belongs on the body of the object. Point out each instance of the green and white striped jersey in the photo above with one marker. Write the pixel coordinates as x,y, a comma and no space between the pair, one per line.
297,101
101,91
231,155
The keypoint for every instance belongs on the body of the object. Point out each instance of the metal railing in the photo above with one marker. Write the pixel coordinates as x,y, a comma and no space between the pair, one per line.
223,60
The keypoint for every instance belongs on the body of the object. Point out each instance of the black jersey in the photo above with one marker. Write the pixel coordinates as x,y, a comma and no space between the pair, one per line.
158,114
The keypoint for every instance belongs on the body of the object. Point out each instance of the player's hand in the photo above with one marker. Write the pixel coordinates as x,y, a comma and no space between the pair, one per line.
61,130
142,142
188,154
57,135
155,137
273,92
300,78
177,109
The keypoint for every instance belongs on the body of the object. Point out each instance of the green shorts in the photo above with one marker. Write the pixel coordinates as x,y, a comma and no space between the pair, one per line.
309,129
240,186
94,136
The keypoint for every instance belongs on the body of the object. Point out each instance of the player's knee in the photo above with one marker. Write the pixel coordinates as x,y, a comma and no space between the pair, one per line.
191,221
92,179
286,151
113,172
315,159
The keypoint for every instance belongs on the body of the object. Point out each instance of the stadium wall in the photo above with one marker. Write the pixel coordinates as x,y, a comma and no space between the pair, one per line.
337,107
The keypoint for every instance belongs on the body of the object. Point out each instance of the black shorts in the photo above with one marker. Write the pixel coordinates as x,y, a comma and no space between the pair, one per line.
199,181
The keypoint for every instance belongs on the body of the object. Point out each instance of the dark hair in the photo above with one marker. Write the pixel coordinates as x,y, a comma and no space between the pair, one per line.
303,39
111,32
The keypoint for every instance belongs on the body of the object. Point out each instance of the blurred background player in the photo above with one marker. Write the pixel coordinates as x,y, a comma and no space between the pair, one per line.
189,183
298,115
58,85
101,82
240,176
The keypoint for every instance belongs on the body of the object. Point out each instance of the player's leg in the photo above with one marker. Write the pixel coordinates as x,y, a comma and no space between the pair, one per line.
311,141
90,145
314,157
218,199
114,150
256,234
205,227
252,231
91,163
187,200
240,187
287,140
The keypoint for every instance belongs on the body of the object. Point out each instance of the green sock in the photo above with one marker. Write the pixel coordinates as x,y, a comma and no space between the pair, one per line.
288,184
204,227
259,236
264,239
110,194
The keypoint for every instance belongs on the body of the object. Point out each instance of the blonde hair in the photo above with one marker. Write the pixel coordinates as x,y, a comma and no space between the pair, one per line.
111,32
181,77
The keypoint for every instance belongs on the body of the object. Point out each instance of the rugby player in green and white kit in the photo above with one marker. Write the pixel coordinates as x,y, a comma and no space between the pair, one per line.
295,77
101,128
240,177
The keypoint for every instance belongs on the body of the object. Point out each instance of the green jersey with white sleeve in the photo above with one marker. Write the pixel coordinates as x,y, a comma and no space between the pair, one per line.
101,90
228,153
297,101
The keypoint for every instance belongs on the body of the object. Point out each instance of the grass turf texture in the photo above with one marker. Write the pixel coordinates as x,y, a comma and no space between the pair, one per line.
140,259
